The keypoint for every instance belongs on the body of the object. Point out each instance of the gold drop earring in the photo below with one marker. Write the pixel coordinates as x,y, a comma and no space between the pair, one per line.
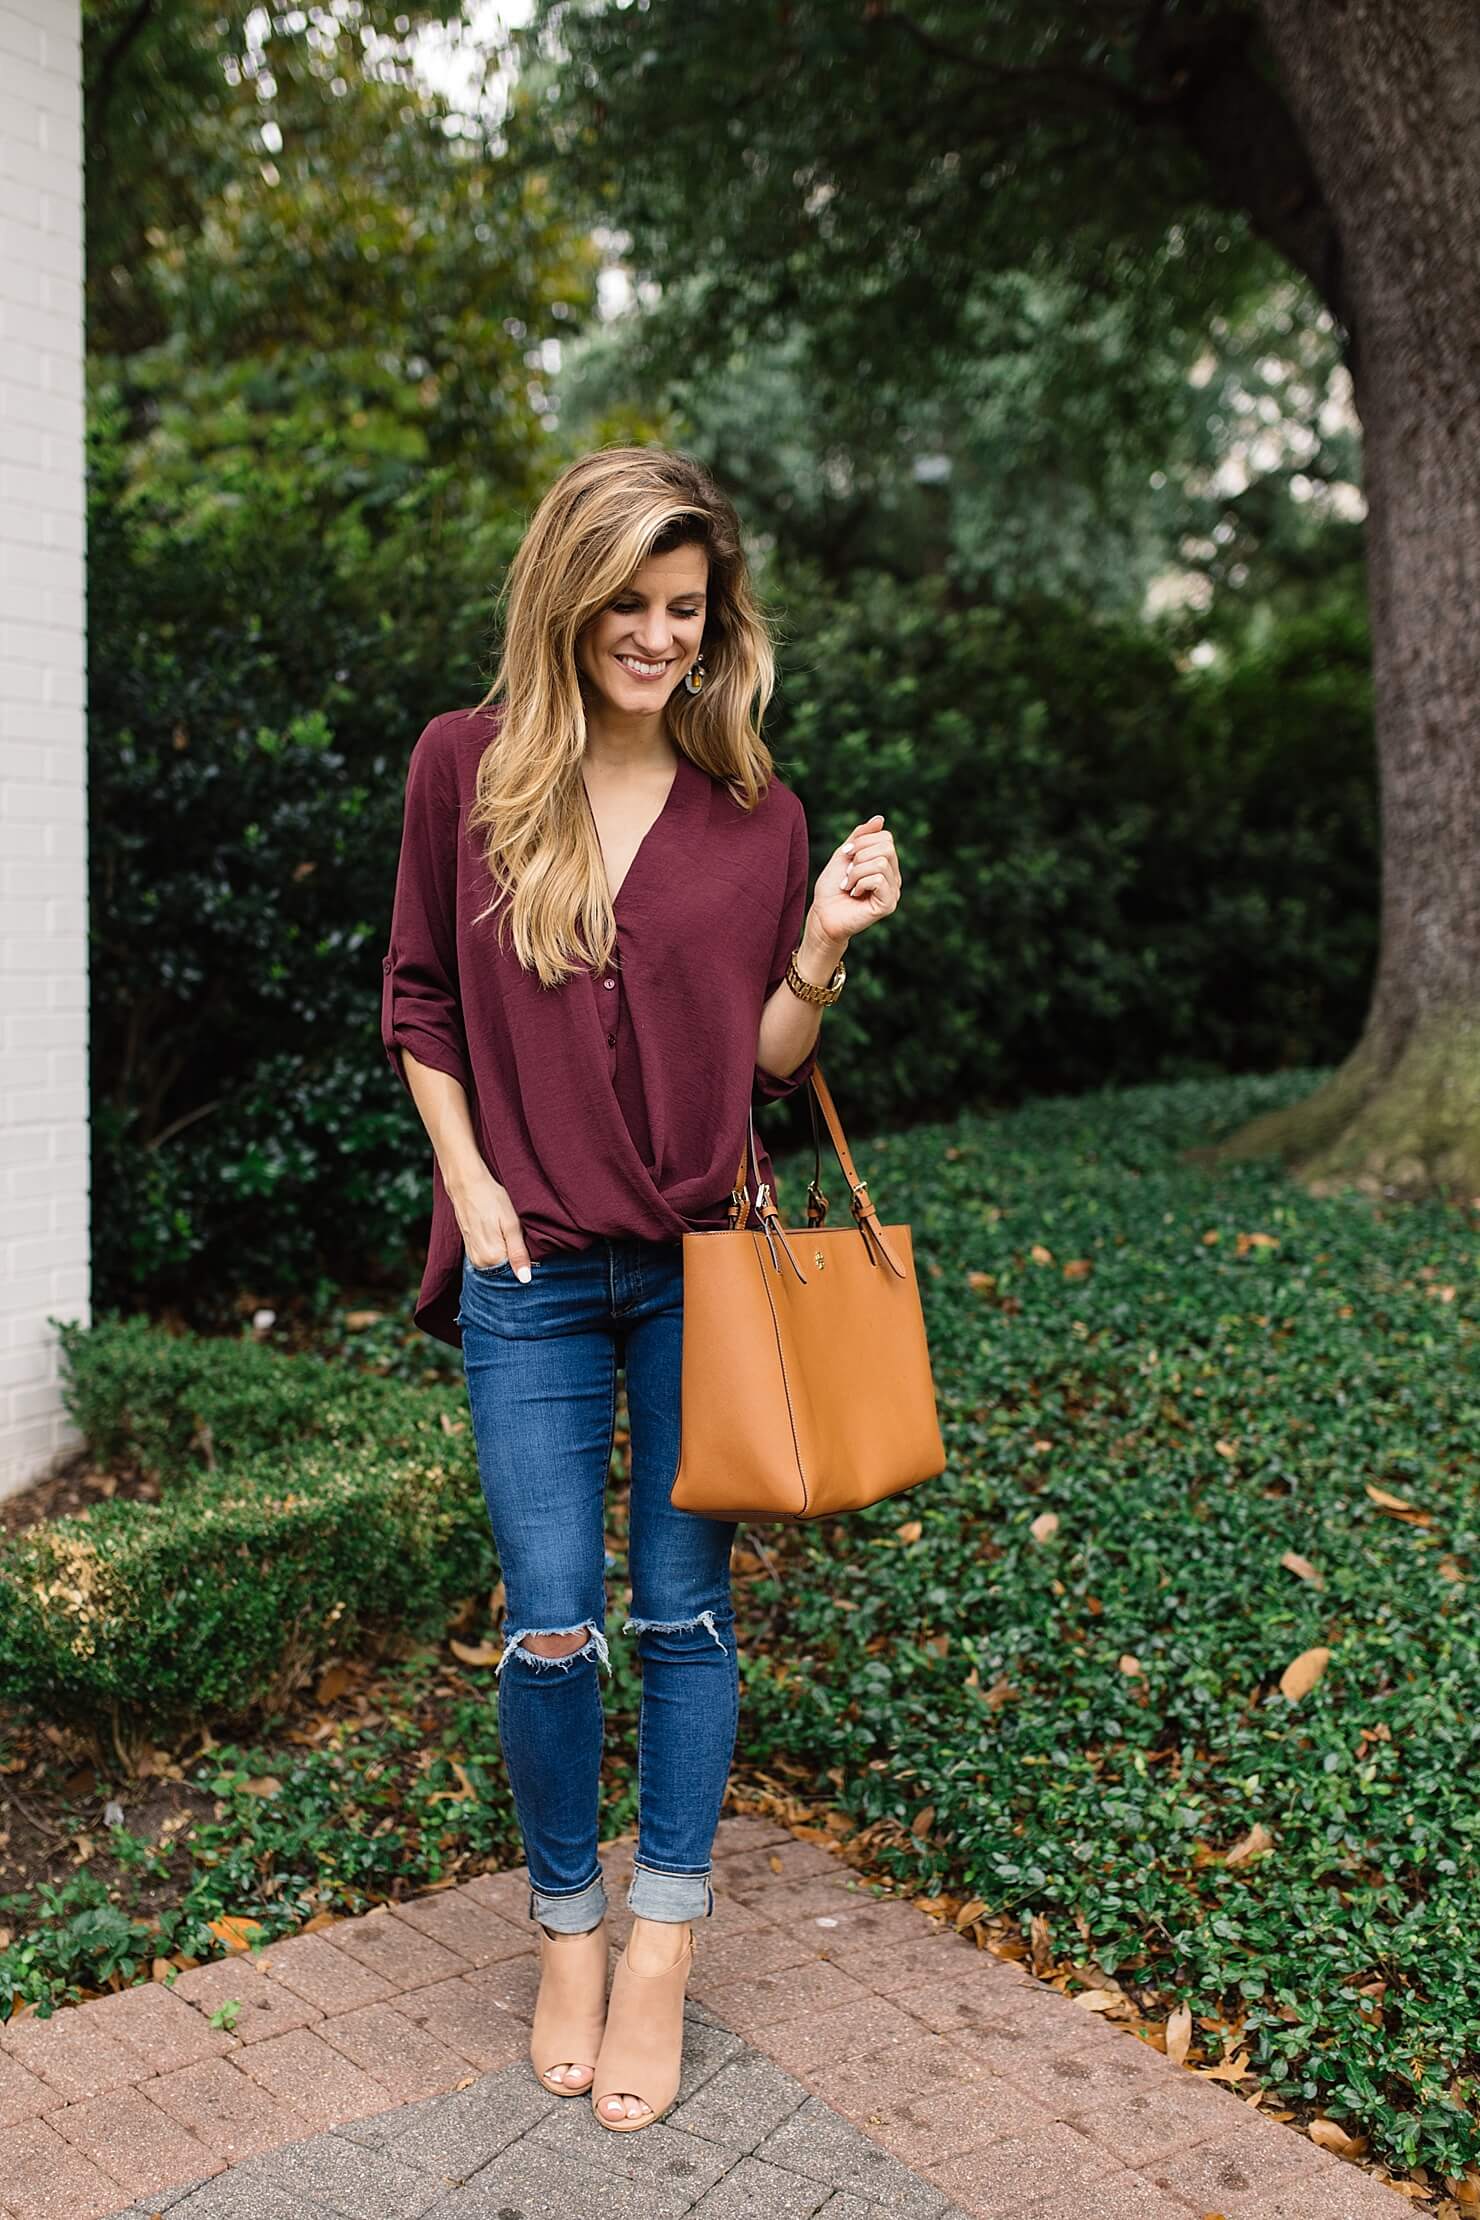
693,677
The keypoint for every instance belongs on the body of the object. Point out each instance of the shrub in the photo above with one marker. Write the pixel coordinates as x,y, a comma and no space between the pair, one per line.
328,1520
171,1406
1115,868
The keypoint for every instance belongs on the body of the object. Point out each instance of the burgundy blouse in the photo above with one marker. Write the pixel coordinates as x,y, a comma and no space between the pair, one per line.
617,1102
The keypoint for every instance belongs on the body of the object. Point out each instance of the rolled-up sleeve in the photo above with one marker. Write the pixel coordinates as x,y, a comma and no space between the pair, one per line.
765,1086
420,1008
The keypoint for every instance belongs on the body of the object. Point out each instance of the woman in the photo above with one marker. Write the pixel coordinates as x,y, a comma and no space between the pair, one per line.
601,957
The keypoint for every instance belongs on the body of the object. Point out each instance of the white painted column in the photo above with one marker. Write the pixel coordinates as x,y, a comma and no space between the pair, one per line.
44,1184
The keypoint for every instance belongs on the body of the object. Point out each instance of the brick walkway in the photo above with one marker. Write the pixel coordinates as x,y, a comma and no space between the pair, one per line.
844,2061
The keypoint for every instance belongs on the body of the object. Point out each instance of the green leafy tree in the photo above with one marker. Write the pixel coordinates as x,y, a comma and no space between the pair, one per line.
866,172
330,274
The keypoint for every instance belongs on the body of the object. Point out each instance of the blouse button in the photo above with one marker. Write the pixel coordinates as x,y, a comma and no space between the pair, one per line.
608,982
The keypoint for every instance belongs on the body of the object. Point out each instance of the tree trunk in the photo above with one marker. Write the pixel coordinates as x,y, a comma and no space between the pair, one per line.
1386,93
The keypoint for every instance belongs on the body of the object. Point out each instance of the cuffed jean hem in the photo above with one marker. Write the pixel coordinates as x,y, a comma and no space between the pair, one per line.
669,1896
570,1915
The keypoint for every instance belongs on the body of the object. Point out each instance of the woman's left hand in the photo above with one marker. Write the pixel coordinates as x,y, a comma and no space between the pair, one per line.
860,884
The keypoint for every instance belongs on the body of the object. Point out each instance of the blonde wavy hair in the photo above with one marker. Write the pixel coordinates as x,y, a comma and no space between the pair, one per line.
589,536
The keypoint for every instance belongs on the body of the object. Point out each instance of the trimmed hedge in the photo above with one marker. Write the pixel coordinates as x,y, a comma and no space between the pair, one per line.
172,1406
345,1504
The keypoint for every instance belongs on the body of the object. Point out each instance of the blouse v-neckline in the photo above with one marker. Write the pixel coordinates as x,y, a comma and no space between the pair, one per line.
679,791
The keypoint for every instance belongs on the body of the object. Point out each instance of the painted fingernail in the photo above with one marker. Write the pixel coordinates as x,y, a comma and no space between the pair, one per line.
521,1272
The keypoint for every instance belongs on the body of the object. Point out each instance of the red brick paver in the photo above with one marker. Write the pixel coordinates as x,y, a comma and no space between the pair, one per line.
42,2176
22,2095
401,1954
329,1980
135,2142
406,2060
225,2109
473,1932
999,2177
465,2015
1005,2095
313,2078
158,2024
263,2008
73,2054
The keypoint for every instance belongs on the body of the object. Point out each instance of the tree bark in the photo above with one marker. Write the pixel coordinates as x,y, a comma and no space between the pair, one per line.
1386,93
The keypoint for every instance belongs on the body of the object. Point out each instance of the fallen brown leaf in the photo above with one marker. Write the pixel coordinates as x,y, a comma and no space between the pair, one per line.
235,1930
1252,1845
458,1795
1178,2034
1229,2069
1387,1501
1333,2137
477,1653
1303,1672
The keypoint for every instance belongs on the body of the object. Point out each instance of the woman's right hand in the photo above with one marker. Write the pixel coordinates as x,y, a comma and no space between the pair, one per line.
490,1226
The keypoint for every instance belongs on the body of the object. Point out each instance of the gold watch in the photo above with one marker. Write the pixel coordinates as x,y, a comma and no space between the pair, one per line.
804,987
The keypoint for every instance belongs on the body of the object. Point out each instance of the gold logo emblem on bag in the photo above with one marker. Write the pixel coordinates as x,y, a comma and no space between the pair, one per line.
817,1258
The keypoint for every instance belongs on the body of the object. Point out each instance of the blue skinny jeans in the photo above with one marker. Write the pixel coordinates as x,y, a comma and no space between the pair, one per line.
540,1360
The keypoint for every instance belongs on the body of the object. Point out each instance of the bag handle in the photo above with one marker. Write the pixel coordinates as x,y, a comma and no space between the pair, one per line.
865,1216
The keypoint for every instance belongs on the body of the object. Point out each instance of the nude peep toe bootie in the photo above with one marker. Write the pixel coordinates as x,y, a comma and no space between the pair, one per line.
570,2011
641,2052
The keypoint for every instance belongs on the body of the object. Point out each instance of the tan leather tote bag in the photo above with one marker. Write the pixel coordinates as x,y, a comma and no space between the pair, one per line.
806,1383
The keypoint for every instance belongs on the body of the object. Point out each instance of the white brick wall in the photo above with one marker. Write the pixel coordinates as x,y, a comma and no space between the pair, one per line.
44,1188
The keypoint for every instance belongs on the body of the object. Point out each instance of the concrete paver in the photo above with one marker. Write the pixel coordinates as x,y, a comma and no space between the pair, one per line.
998,2178
843,2060
817,2141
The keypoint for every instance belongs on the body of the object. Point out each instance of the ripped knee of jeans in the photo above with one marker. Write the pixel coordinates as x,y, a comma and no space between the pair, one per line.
674,1626
517,1642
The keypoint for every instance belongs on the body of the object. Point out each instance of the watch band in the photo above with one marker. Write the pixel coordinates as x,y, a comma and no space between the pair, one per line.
804,988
